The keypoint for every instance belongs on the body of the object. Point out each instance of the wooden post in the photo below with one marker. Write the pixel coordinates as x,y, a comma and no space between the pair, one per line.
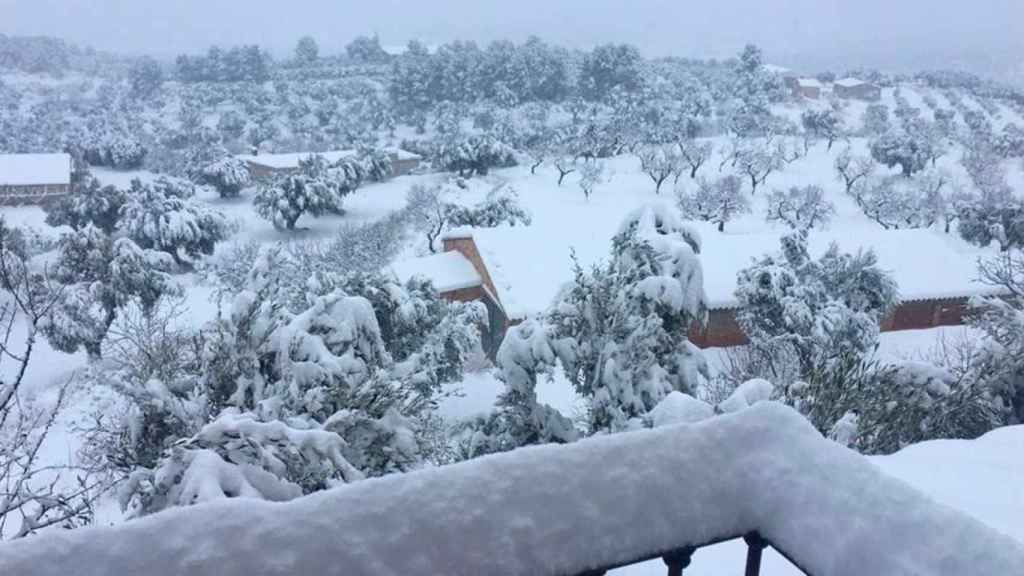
677,560
755,545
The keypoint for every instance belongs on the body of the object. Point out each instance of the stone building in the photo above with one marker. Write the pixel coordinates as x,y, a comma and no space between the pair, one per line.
856,89
34,178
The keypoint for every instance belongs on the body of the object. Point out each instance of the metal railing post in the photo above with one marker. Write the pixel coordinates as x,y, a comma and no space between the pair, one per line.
678,560
755,545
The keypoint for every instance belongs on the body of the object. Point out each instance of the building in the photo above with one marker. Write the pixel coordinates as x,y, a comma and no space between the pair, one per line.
266,166
935,274
809,88
856,89
34,178
460,275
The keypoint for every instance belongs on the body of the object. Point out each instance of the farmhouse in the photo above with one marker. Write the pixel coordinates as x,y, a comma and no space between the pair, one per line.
804,87
935,278
34,178
264,166
460,275
856,89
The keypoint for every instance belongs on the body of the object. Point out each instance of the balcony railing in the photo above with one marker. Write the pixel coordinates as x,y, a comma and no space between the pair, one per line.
762,474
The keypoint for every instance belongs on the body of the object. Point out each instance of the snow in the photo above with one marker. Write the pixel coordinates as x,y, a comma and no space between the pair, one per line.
746,395
34,169
291,160
849,82
563,510
679,408
809,83
448,271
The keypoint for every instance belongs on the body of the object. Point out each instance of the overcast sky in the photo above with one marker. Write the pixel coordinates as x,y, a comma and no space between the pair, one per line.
811,33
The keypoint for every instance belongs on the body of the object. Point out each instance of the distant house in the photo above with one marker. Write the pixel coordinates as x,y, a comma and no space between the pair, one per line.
265,166
34,178
804,87
460,275
935,281
856,89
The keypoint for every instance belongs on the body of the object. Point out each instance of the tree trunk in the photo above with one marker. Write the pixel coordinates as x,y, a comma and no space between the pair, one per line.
721,225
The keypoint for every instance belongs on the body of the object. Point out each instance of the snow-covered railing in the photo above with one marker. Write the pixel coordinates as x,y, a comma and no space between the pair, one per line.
563,510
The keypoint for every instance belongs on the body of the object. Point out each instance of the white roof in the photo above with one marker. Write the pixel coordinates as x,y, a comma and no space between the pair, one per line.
809,83
926,264
35,169
291,160
448,271
403,154
850,82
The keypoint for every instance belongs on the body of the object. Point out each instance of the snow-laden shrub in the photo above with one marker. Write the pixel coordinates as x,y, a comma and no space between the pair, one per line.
620,332
228,175
99,276
88,203
474,155
165,216
813,323
316,189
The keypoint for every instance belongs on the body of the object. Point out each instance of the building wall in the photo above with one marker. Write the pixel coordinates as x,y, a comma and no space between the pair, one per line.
16,195
403,167
868,92
723,331
493,333
467,247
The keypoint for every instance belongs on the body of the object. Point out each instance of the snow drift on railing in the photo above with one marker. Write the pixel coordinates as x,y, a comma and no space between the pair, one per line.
562,510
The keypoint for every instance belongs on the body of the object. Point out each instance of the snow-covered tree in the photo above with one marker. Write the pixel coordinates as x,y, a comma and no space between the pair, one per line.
228,175
37,492
88,203
717,201
592,173
366,49
984,221
876,120
852,169
800,208
910,152
316,189
99,277
164,215
609,67
896,202
826,124
813,323
756,162
660,162
306,51
145,77
433,213
565,164
474,155
695,154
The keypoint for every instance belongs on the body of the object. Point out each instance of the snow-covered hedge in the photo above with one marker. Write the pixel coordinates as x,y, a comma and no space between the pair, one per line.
562,510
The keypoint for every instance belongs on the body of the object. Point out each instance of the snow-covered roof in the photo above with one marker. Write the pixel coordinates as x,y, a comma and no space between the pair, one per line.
401,154
926,264
850,82
562,509
808,83
34,169
291,160
448,271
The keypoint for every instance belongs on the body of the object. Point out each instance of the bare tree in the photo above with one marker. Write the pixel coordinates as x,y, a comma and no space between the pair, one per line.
33,494
695,154
565,164
717,201
852,169
591,174
660,163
